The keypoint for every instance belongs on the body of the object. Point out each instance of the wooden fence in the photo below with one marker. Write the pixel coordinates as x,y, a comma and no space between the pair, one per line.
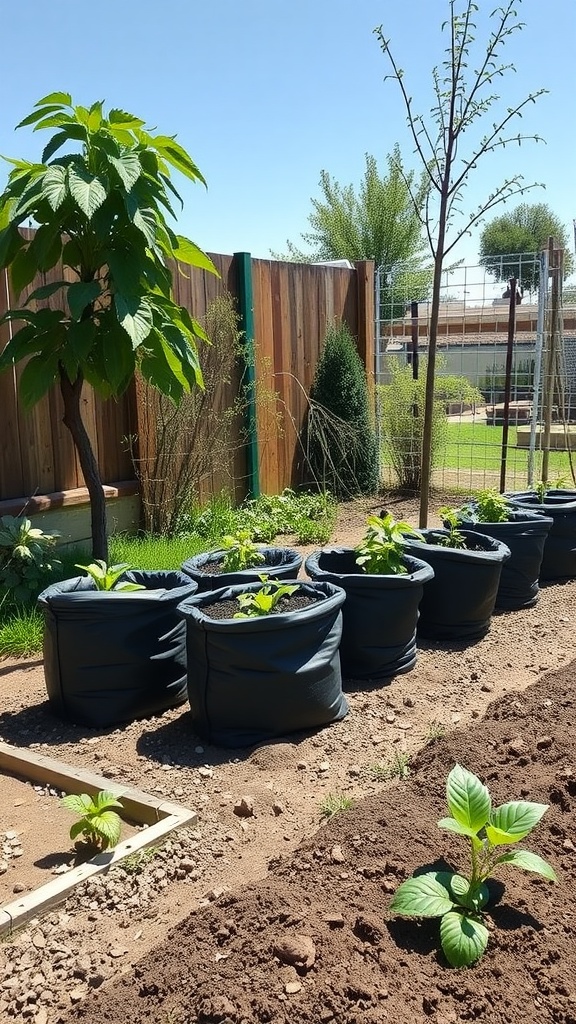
293,304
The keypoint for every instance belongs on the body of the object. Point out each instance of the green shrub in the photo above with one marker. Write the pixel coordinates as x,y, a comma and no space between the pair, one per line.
341,448
25,560
402,404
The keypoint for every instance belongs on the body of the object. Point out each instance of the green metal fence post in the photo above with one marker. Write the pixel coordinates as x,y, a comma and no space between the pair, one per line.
246,312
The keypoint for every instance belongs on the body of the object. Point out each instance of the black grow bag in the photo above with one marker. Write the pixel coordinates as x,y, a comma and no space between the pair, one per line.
251,680
524,534
380,613
459,601
113,656
278,564
559,561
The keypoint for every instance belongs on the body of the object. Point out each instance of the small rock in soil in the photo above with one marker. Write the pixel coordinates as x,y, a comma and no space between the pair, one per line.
291,987
298,950
337,855
244,808
278,808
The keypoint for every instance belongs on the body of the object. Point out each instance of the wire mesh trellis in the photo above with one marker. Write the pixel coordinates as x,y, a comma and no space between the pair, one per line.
469,415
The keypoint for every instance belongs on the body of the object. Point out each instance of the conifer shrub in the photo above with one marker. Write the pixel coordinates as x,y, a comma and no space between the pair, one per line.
341,450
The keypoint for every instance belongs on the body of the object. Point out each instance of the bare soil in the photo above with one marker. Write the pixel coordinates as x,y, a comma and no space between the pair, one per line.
256,806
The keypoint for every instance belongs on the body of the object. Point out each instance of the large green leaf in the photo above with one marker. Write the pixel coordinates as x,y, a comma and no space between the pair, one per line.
125,270
105,798
46,290
426,895
86,189
47,245
77,828
127,167
121,119
80,295
175,155
37,377
451,825
55,185
530,862
37,115
135,315
518,817
80,803
54,145
188,252
119,357
108,825
61,98
463,939
11,242
468,799
23,270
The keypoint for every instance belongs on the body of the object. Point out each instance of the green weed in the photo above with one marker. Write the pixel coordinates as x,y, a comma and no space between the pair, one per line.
21,633
398,767
334,803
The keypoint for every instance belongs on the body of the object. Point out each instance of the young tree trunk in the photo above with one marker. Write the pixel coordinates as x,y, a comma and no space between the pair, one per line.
72,419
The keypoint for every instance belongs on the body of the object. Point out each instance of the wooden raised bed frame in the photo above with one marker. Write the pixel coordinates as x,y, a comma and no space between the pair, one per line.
161,817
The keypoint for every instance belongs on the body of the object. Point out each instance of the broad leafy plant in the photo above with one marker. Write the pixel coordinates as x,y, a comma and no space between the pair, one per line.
25,559
264,601
458,899
454,539
487,506
98,822
99,196
382,548
107,577
241,552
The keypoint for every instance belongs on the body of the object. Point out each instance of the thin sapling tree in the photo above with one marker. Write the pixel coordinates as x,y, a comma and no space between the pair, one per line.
464,101
99,197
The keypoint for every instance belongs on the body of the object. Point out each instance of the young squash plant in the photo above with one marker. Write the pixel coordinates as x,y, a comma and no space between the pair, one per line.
488,506
98,823
241,552
381,550
459,899
265,600
106,577
455,538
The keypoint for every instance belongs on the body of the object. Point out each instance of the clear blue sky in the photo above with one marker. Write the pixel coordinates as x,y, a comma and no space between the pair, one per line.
265,94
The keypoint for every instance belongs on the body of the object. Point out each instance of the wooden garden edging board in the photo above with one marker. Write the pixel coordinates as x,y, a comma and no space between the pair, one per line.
161,817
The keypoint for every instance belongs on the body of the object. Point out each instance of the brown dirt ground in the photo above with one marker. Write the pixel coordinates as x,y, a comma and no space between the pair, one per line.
109,923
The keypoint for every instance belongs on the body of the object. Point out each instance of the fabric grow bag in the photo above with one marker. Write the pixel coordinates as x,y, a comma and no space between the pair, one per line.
524,534
110,656
459,601
559,560
278,564
251,680
380,614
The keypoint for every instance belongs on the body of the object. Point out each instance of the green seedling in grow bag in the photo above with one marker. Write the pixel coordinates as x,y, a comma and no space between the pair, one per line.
98,823
487,507
455,539
381,550
265,600
458,900
241,552
106,576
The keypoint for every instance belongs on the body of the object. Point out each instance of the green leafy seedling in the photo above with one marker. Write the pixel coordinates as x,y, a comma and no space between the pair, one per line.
241,552
540,488
106,576
265,600
455,538
489,506
381,550
457,899
97,822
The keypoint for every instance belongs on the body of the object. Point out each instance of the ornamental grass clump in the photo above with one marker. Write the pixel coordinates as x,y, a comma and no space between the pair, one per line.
458,899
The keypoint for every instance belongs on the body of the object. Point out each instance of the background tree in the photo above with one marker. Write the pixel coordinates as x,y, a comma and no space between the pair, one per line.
376,222
523,230
463,102
100,214
341,444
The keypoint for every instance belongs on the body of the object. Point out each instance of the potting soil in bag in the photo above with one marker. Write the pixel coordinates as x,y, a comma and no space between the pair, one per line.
279,564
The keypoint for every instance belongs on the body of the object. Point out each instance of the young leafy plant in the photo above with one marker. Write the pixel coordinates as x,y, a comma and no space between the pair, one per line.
455,538
488,507
25,559
265,600
241,552
106,577
381,550
97,822
458,899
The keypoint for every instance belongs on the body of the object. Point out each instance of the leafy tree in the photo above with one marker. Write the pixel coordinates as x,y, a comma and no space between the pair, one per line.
341,444
376,222
463,102
524,230
100,211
